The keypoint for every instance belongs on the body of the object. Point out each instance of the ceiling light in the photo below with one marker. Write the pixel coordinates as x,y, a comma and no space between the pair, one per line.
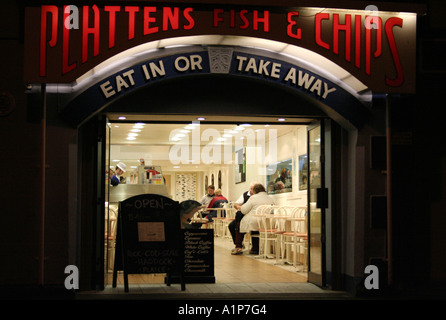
245,124
281,119
140,124
122,118
201,118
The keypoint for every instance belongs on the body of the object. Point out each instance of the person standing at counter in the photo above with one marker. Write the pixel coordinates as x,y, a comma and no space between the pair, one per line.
120,169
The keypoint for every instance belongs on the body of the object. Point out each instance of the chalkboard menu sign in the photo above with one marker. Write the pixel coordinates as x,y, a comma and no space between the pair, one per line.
198,256
149,238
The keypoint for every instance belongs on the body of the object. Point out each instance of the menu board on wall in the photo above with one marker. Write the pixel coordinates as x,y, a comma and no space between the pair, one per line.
149,238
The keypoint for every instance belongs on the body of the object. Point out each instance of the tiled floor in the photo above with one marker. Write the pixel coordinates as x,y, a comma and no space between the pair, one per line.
237,277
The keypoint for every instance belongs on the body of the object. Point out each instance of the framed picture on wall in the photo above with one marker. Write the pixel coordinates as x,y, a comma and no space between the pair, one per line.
303,172
240,165
279,177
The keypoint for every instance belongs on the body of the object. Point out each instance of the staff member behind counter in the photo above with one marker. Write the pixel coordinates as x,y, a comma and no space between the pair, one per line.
120,169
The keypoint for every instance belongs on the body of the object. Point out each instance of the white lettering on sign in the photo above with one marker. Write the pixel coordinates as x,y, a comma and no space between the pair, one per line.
192,63
260,67
304,80
155,70
122,81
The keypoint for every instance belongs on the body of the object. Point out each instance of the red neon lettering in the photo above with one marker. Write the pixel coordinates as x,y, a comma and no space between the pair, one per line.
86,30
111,23
264,20
342,27
244,19
291,24
189,18
132,11
217,18
232,18
148,19
318,24
368,41
66,43
390,23
43,31
358,41
171,17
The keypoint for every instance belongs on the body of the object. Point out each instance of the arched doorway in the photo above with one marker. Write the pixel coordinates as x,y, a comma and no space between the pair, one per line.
298,93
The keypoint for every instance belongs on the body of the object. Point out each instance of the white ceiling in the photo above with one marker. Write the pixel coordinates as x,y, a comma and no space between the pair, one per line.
153,140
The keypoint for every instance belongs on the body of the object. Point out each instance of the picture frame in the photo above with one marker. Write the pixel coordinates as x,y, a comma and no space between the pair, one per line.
240,165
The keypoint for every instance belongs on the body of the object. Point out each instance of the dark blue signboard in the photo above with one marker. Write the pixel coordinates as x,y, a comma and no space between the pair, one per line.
117,85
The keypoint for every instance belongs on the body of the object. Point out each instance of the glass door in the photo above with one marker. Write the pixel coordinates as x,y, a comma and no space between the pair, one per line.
108,238
316,205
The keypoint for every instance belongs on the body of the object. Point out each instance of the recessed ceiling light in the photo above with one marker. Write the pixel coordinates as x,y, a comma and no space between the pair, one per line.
281,119
245,124
201,118
122,118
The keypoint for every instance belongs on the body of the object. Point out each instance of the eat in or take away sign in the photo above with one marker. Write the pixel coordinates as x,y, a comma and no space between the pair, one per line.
376,47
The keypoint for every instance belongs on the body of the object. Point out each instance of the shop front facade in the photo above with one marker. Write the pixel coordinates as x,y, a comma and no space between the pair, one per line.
339,70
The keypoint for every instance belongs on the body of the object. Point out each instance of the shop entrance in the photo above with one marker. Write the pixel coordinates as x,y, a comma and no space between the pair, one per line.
231,99
185,157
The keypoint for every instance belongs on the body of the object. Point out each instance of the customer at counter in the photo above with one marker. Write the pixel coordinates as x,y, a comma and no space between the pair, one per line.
249,222
120,169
